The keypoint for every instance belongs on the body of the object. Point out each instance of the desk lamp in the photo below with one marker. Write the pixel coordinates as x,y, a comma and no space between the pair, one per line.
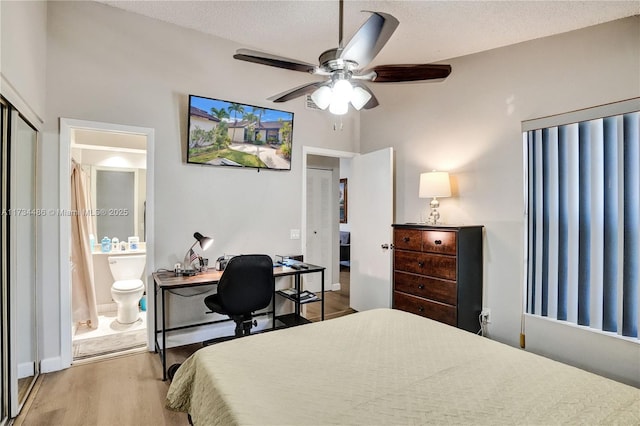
205,243
434,184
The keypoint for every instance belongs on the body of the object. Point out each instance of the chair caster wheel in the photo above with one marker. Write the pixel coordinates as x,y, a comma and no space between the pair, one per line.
171,371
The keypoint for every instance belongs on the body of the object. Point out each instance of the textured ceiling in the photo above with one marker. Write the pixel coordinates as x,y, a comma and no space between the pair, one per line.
429,31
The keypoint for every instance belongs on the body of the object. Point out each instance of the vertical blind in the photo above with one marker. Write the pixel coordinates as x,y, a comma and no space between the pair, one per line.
583,237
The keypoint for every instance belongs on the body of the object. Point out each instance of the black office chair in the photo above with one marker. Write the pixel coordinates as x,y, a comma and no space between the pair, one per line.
246,285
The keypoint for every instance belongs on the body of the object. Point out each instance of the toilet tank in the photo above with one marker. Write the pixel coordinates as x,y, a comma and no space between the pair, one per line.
127,267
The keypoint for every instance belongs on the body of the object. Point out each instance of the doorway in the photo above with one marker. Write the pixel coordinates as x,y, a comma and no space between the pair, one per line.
115,163
370,212
325,227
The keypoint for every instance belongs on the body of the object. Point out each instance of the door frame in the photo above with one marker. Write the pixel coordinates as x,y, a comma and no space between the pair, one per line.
66,126
306,151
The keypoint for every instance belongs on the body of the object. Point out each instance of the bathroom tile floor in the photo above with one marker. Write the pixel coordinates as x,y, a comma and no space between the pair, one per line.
110,338
107,325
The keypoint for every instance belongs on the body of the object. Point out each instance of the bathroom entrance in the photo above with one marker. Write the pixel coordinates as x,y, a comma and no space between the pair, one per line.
109,191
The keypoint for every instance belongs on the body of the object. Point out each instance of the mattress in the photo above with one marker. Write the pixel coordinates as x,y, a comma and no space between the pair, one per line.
388,367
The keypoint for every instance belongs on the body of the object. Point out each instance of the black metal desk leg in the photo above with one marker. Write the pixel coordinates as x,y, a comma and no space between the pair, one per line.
322,303
273,305
298,289
164,340
155,317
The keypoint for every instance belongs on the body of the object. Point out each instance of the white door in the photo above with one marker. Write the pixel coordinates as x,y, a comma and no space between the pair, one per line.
320,210
370,206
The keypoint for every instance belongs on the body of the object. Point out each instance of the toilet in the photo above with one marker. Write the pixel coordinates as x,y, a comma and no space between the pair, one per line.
128,288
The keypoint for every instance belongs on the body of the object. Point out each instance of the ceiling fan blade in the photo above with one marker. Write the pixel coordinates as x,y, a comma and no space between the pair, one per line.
273,60
370,38
404,73
305,89
373,102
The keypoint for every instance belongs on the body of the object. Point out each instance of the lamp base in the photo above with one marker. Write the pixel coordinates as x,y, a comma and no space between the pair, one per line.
434,215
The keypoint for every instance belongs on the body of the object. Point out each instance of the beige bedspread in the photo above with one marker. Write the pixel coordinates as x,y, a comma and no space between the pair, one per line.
388,367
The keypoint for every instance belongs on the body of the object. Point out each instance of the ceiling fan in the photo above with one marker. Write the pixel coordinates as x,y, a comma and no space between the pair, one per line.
345,68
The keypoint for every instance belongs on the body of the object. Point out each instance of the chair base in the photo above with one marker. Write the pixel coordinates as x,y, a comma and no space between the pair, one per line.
244,323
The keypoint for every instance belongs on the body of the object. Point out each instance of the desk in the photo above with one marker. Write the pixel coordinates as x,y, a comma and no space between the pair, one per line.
166,281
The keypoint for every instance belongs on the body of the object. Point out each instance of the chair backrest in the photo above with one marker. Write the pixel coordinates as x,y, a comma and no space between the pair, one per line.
247,284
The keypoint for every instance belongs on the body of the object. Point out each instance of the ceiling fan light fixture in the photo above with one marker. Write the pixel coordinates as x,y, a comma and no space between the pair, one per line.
342,91
359,97
322,97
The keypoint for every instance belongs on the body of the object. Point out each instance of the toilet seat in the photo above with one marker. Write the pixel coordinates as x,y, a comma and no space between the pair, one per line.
127,285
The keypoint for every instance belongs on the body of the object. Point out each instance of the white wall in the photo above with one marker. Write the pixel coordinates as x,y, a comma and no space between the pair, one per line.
470,125
23,56
108,65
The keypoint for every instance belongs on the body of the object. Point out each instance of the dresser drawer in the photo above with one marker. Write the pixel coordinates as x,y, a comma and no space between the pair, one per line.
426,308
430,288
443,242
433,265
407,239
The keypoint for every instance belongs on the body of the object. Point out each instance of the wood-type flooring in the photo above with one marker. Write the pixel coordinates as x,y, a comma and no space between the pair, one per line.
128,389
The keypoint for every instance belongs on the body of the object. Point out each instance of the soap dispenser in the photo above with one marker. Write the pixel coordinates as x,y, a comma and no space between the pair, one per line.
106,245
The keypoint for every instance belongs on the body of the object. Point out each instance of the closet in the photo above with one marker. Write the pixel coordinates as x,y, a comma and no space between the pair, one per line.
19,366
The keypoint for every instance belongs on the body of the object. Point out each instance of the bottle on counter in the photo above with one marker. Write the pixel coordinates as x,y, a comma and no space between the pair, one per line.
115,244
133,243
105,245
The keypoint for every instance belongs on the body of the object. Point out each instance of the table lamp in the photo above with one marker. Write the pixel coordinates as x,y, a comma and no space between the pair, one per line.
205,243
433,185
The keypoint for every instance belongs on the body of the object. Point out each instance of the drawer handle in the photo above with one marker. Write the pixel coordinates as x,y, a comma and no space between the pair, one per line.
420,309
421,264
438,242
406,239
420,286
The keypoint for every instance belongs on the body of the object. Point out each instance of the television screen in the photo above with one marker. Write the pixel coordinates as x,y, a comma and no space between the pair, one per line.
223,133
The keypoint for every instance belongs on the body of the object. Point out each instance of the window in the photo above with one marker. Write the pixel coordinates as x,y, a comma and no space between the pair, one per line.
583,204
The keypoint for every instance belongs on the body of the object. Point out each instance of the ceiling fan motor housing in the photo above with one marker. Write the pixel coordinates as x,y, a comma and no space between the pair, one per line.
331,61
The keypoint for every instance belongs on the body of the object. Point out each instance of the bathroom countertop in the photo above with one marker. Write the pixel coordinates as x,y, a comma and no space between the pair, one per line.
120,252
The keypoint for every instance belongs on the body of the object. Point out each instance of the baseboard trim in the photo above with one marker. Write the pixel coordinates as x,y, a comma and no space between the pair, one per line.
335,287
49,365
26,369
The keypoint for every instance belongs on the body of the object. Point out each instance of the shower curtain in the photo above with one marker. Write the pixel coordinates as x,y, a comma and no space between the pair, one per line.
83,302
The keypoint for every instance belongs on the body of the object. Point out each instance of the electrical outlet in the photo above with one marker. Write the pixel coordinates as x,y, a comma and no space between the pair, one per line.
485,316
295,234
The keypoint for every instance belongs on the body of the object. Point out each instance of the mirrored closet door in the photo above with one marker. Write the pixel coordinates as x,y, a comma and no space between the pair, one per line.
19,260
4,355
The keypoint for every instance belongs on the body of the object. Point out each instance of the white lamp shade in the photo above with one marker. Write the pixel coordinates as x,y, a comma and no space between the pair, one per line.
434,184
339,107
322,97
342,91
359,97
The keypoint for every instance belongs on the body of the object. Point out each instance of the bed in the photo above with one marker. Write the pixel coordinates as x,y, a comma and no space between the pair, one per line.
389,367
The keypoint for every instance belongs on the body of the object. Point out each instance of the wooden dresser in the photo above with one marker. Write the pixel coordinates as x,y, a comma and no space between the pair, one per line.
437,273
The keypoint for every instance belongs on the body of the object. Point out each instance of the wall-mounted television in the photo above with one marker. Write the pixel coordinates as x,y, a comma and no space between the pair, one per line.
223,133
